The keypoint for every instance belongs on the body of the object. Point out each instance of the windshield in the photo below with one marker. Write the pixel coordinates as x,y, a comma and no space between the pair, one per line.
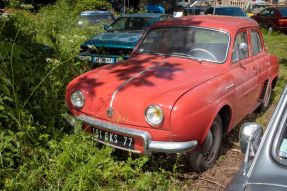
132,23
230,11
192,42
283,11
94,19
257,8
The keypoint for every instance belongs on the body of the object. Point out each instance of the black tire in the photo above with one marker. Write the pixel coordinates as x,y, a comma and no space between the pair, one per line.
205,157
266,101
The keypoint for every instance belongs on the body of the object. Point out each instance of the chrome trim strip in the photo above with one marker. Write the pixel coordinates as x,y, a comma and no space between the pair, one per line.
229,86
172,147
124,83
149,145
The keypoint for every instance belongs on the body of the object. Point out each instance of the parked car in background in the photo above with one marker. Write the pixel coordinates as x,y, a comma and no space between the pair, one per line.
225,10
2,4
117,43
195,10
273,18
265,164
255,7
189,81
94,17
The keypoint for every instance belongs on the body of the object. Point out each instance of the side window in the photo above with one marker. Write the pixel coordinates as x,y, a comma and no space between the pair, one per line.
272,13
265,12
255,43
209,11
240,48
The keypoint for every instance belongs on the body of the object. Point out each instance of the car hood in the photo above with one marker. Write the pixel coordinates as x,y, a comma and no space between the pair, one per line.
131,86
115,40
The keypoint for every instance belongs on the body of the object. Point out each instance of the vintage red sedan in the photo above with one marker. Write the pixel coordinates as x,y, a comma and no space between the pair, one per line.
189,81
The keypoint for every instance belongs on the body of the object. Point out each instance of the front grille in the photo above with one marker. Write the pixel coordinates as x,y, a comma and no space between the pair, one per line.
106,50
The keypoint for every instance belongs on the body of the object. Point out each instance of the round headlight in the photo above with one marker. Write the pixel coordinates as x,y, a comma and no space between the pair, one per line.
154,115
78,99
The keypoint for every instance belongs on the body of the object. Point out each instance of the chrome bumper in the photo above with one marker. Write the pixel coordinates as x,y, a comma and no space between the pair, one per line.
149,145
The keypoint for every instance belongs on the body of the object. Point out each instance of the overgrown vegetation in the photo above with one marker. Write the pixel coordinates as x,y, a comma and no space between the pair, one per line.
38,150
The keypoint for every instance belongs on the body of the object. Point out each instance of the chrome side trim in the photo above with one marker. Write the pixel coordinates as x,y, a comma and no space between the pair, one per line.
149,145
124,83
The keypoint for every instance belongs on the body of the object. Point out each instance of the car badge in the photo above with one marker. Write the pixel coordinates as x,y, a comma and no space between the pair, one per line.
110,112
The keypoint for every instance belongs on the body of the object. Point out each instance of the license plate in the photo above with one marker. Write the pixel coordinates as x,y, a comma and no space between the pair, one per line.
85,58
113,139
103,60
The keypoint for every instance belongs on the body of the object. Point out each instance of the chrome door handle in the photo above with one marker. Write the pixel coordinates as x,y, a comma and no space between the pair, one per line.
229,86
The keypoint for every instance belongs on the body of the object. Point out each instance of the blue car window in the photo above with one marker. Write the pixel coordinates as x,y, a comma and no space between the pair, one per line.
230,11
283,11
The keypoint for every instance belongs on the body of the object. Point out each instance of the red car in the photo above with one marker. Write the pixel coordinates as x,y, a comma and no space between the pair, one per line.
273,18
189,81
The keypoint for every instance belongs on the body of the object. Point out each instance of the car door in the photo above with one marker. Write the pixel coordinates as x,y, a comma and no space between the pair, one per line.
244,74
260,62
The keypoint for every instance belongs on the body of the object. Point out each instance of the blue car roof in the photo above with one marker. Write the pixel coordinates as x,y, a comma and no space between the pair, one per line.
84,13
144,15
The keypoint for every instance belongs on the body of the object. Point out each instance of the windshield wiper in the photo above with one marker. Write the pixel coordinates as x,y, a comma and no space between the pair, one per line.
187,55
151,52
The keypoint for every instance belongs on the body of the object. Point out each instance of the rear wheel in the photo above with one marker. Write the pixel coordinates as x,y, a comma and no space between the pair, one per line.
265,102
205,157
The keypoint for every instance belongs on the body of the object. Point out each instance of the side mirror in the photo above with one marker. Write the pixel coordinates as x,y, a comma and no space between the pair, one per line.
250,133
106,27
243,47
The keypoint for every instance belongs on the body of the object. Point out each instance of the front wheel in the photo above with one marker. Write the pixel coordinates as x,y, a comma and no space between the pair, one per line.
205,157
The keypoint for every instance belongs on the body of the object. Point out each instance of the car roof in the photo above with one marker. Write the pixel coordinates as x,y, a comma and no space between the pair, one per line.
144,15
227,23
219,7
83,13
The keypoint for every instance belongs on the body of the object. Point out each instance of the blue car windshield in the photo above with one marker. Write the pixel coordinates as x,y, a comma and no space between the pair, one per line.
132,23
230,11
189,42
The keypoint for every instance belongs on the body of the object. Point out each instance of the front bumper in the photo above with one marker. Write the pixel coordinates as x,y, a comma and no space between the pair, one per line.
149,145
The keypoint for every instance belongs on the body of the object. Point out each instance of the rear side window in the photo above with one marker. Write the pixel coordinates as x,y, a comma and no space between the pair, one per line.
283,11
255,43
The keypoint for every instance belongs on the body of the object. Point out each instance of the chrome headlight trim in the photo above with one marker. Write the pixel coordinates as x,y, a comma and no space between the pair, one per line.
77,99
161,118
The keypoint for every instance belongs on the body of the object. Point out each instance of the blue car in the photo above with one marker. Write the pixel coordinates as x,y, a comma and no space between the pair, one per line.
94,17
119,40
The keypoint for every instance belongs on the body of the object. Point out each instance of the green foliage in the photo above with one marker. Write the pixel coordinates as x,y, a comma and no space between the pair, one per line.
38,150
84,5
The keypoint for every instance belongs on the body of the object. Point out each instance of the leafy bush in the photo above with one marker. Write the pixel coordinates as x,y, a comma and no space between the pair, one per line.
83,5
38,150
